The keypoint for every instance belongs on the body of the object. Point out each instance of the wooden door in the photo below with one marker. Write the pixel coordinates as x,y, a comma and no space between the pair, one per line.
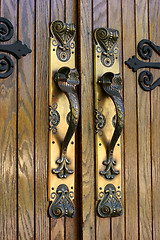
24,124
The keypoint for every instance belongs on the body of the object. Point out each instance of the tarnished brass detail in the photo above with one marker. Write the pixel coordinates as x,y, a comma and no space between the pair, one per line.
62,205
54,118
107,84
63,78
107,39
109,204
100,121
63,34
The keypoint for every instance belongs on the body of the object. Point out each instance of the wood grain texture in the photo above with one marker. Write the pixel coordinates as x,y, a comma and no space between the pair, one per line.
100,19
57,226
87,122
144,153
41,119
57,10
100,13
130,124
154,27
26,123
8,138
114,21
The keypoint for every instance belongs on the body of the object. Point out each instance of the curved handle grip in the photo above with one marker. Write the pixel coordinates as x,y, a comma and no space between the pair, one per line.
111,83
67,79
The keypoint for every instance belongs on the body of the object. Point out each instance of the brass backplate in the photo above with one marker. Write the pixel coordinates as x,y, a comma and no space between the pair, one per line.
59,101
104,105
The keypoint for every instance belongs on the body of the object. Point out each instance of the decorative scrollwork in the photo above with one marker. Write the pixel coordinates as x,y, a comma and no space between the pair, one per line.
62,171
100,122
145,48
54,118
6,29
107,39
62,205
109,205
146,81
64,34
111,84
17,49
6,66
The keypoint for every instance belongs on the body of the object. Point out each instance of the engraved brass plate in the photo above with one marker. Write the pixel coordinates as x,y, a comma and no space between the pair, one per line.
60,183
109,117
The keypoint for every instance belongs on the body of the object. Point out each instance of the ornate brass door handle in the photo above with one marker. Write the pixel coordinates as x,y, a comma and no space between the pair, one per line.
111,83
62,88
109,120
66,80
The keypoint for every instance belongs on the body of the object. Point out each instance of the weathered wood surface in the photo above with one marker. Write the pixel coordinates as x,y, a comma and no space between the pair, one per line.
26,124
8,139
41,119
144,144
154,36
87,122
130,123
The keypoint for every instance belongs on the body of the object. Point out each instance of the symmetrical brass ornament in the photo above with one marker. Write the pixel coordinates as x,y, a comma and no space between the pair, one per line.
62,205
109,204
107,97
64,105
63,34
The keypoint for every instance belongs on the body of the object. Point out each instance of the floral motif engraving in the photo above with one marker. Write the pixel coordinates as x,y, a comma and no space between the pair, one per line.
109,205
62,205
63,34
107,39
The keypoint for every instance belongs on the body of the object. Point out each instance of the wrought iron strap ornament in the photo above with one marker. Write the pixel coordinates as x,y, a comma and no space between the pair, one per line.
145,52
16,49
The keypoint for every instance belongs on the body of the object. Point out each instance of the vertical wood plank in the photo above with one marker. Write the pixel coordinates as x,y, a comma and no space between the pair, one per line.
144,153
100,19
130,123
26,124
73,225
114,21
87,121
154,21
8,138
41,119
100,9
57,226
